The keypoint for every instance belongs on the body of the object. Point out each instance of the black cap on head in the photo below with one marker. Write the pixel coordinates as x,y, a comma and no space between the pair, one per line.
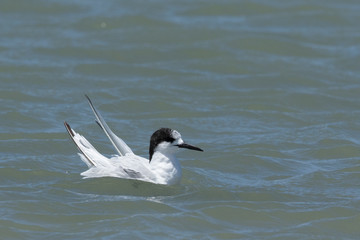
160,135
168,135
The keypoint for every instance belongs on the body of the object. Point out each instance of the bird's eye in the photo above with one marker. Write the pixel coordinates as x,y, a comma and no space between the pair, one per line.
171,139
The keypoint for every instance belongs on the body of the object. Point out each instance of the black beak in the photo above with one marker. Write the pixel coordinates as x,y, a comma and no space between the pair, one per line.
188,146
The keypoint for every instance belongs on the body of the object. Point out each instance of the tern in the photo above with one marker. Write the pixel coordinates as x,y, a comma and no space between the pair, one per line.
162,167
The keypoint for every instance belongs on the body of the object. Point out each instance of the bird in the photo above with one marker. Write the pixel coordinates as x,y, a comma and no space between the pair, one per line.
162,167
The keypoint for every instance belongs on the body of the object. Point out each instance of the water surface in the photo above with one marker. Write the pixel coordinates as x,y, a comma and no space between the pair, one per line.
270,91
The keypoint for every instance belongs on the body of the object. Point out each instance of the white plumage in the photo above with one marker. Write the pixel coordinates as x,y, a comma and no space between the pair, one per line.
161,168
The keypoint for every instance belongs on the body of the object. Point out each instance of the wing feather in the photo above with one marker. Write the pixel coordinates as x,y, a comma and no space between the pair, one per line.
88,153
121,147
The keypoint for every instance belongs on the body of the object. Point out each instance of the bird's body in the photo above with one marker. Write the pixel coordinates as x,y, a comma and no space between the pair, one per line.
162,167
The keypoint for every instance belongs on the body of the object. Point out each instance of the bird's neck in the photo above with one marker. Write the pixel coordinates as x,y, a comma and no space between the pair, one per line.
166,168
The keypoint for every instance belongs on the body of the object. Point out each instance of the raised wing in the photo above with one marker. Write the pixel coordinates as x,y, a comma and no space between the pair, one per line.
121,147
89,154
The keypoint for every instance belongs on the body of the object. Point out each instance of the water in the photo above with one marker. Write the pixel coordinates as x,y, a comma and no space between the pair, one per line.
270,91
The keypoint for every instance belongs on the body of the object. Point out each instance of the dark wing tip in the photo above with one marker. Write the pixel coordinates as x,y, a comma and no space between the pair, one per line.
68,128
99,124
88,98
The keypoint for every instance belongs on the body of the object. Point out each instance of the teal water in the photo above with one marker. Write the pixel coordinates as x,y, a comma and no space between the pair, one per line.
270,91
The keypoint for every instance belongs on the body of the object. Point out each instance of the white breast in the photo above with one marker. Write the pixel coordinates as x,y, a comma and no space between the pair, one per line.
166,168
